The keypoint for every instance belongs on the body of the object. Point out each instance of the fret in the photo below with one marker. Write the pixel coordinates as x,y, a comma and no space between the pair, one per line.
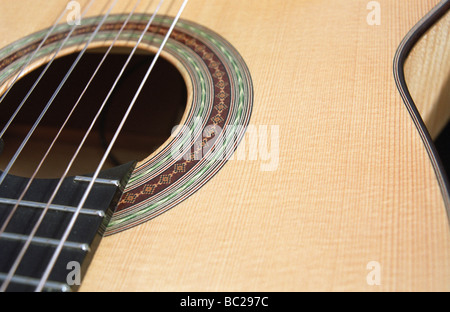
98,180
53,223
32,204
44,241
33,282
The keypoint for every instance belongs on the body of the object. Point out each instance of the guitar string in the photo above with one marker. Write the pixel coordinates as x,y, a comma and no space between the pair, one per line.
25,247
104,102
31,57
56,253
16,155
155,58
19,107
33,176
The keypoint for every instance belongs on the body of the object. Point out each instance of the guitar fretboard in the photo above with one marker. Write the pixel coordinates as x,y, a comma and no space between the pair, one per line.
84,237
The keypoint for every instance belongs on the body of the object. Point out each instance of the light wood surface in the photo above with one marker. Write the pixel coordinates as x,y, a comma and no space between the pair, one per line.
427,74
353,184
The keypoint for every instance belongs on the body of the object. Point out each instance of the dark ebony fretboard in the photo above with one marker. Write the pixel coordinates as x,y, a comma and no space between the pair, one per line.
82,241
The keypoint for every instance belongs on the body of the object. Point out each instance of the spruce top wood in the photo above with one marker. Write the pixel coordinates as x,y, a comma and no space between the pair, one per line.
353,187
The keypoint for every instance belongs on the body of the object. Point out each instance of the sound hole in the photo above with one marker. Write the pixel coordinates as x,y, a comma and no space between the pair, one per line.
158,109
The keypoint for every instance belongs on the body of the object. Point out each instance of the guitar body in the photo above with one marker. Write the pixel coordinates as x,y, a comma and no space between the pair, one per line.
347,199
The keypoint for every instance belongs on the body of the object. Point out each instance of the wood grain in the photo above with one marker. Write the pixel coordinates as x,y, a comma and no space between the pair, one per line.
353,183
427,74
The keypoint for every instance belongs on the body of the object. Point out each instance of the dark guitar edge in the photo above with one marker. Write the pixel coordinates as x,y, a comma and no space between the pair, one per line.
401,55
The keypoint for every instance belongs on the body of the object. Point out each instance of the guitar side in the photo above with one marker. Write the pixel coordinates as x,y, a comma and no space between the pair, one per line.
347,190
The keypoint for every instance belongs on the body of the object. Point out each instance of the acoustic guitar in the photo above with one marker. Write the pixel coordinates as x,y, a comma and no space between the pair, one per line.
223,145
